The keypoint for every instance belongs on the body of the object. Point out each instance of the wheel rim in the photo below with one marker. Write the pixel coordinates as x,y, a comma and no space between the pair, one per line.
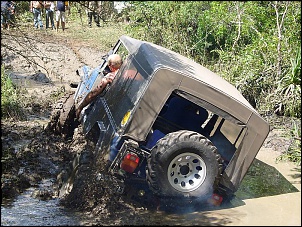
186,172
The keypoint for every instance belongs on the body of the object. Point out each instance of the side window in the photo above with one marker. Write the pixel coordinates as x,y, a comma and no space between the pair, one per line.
132,80
125,91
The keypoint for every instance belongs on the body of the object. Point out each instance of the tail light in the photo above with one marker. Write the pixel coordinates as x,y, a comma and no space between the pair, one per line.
215,200
130,162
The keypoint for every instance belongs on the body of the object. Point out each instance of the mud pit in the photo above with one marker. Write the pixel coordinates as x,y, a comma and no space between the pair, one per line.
33,154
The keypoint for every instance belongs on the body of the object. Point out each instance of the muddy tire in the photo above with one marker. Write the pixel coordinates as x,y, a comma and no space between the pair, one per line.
184,165
63,119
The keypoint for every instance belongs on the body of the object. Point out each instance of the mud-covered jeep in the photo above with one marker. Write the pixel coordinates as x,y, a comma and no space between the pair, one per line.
169,122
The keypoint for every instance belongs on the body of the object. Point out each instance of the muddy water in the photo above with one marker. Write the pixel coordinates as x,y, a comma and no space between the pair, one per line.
28,211
269,195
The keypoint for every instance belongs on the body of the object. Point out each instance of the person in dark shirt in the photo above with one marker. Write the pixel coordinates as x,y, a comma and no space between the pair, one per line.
7,11
60,13
93,11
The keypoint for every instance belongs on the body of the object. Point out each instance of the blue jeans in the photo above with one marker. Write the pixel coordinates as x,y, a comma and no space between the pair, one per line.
114,147
49,16
37,17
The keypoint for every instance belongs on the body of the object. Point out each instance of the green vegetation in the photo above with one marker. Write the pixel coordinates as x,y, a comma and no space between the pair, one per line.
255,45
294,151
10,98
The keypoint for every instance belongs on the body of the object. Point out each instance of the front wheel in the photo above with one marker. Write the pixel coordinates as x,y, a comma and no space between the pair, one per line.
63,120
184,164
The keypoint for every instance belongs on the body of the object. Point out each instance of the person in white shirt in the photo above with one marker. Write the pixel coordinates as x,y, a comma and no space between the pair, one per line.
49,9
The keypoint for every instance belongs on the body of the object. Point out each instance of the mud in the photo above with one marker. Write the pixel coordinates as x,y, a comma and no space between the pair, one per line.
31,153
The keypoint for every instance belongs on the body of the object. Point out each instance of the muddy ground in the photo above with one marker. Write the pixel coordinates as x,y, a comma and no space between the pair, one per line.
30,153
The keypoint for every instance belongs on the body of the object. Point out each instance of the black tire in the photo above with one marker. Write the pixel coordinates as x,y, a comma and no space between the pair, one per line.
63,119
184,164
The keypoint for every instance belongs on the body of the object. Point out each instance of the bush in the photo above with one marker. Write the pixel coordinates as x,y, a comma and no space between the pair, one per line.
293,153
10,98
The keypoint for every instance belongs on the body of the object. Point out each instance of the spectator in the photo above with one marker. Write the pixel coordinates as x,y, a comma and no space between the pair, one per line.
7,14
60,13
49,10
12,11
36,8
4,14
93,11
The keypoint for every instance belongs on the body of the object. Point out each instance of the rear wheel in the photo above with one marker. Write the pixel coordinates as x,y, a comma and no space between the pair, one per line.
184,164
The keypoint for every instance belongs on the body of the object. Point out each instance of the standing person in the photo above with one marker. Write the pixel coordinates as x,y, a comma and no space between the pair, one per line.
93,11
5,15
114,63
11,9
36,8
49,10
60,13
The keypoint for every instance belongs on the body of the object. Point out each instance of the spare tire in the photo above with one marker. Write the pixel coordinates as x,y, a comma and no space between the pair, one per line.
184,164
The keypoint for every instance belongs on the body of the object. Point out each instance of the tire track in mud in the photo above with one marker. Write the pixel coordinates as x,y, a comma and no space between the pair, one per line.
86,54
76,50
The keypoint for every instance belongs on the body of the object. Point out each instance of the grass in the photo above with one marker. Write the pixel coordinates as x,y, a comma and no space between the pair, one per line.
77,30
293,153
102,38
11,106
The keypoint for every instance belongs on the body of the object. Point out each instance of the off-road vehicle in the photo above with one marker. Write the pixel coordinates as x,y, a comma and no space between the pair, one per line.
168,122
